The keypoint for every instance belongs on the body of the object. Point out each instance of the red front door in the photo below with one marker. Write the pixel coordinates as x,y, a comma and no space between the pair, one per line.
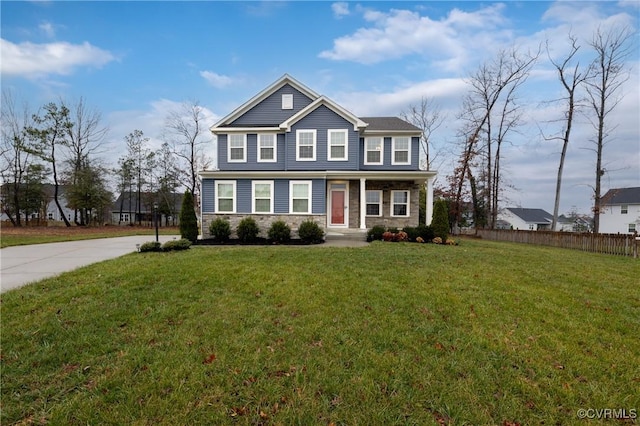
337,206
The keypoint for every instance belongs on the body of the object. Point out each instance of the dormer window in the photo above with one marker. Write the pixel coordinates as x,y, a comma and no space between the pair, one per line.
287,101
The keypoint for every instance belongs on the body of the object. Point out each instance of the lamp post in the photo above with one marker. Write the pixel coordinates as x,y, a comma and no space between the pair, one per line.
155,219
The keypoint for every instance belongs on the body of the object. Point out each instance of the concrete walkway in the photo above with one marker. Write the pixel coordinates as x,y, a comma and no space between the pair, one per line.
21,265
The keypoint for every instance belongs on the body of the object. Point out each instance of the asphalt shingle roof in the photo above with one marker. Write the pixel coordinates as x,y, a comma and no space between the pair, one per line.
531,215
388,123
622,196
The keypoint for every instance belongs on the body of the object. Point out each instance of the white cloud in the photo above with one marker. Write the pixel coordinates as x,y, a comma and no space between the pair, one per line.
340,9
34,60
48,28
399,33
217,80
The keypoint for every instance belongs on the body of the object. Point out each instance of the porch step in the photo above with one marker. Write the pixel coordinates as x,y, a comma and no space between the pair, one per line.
346,235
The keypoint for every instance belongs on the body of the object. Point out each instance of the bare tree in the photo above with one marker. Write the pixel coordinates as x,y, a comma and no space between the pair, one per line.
490,112
607,73
85,137
188,134
138,157
16,155
50,132
428,117
571,77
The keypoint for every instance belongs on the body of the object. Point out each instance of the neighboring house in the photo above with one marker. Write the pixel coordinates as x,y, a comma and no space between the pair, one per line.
291,154
49,210
525,219
124,211
620,211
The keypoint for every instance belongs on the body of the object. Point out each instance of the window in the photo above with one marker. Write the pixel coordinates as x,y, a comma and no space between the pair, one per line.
262,194
287,101
532,227
237,148
337,144
399,203
50,216
267,148
305,145
300,197
632,227
373,150
624,209
401,148
226,197
374,203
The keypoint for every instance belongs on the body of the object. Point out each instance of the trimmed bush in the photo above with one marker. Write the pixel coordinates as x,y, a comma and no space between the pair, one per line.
247,230
375,233
188,219
425,232
279,232
310,232
150,246
220,229
181,244
440,222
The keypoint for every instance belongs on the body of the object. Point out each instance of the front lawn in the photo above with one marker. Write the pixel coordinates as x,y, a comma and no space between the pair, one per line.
395,333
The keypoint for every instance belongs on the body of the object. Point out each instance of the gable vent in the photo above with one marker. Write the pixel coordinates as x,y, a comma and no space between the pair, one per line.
287,101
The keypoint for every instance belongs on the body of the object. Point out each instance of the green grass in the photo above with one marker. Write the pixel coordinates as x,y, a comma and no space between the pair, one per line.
482,333
43,235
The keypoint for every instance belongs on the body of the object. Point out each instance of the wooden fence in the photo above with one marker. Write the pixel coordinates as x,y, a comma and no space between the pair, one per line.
617,244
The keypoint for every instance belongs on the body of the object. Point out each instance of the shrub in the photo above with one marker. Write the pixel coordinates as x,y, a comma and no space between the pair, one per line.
402,236
437,240
425,232
150,246
181,244
375,233
388,236
310,232
247,230
412,233
220,229
279,232
419,240
188,219
440,221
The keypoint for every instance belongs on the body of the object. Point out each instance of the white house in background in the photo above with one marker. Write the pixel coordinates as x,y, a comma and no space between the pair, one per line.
518,218
620,211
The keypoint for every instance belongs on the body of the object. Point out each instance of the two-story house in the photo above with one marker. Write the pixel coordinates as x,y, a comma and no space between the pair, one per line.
620,211
291,154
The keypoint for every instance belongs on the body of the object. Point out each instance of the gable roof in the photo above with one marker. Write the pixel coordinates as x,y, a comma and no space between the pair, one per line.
389,124
323,101
531,215
264,94
622,196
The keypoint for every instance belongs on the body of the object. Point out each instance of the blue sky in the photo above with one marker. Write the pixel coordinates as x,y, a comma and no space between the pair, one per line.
135,61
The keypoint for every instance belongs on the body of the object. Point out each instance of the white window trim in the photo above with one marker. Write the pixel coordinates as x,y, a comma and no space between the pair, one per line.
346,145
393,151
408,203
235,198
624,209
315,143
300,182
253,195
275,148
287,101
380,203
381,151
244,149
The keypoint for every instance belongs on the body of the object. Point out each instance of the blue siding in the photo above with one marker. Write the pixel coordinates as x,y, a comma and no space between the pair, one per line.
319,196
322,119
281,200
208,196
269,112
243,194
386,165
252,155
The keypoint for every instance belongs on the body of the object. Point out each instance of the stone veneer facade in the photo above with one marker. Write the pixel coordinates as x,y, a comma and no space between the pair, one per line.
263,221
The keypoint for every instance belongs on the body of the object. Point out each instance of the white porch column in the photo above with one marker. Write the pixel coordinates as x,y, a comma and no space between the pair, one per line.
429,206
363,203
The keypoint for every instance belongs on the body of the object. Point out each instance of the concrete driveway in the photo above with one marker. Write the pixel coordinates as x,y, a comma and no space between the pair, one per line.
21,265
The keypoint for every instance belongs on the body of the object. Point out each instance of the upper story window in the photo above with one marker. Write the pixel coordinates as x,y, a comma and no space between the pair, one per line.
237,148
337,149
262,194
267,148
225,196
305,145
373,150
400,203
624,209
287,101
632,227
401,150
